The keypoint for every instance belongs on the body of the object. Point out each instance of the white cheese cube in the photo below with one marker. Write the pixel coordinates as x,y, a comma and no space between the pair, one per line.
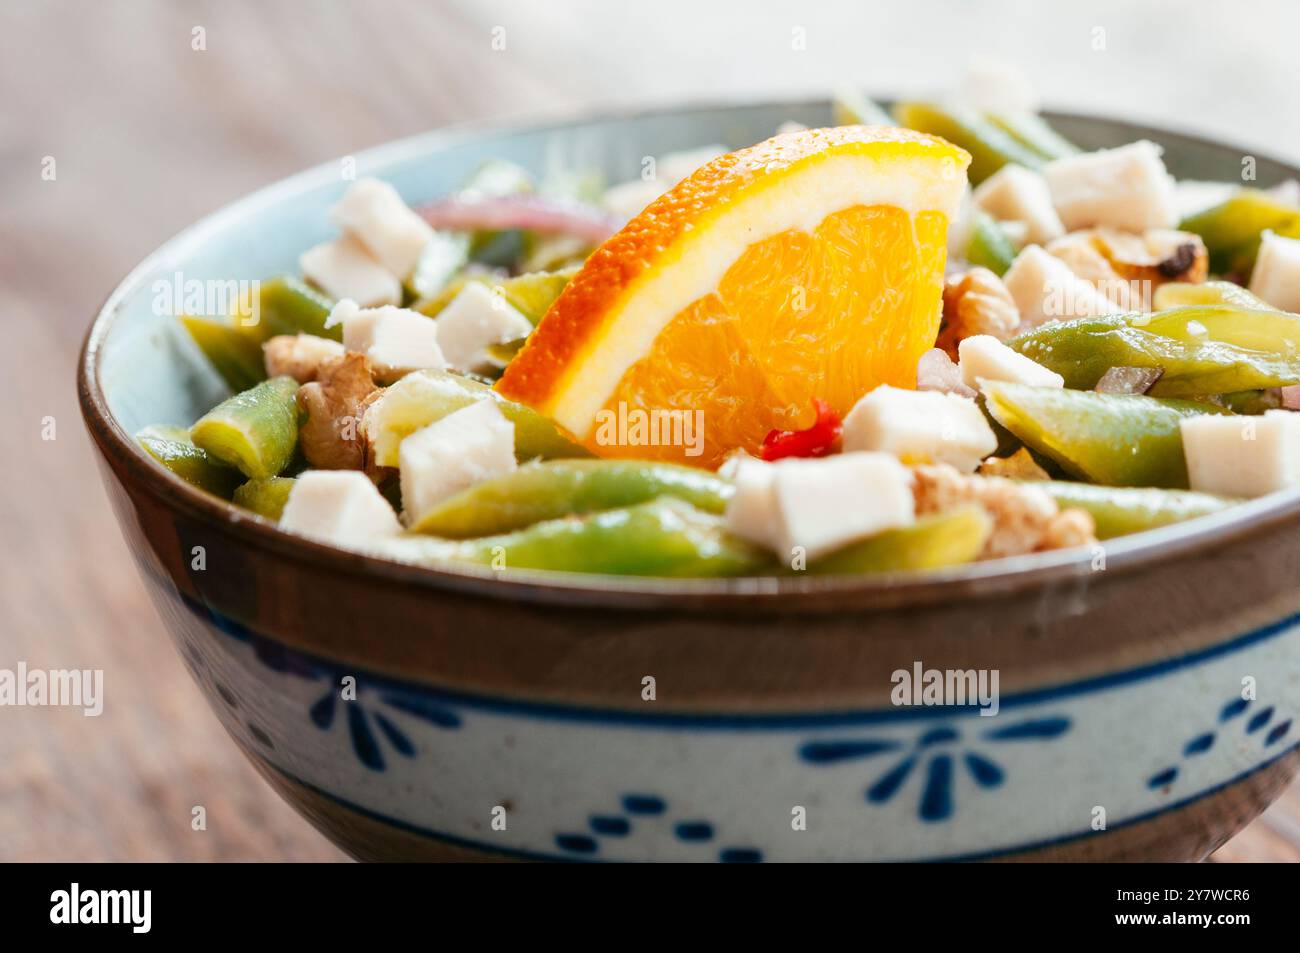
1276,277
984,356
476,318
466,447
344,268
827,503
736,459
751,511
1016,194
338,506
415,401
920,427
821,505
1045,289
1242,456
373,212
1125,188
395,340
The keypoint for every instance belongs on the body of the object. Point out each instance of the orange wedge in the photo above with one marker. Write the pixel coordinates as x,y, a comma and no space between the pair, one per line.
809,265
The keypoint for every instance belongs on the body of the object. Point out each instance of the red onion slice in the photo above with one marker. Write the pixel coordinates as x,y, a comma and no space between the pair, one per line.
531,212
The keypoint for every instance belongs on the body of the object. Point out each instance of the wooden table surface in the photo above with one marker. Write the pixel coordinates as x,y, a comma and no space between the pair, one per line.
147,133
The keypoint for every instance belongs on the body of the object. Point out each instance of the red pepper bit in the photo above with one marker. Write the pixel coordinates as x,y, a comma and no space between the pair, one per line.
816,441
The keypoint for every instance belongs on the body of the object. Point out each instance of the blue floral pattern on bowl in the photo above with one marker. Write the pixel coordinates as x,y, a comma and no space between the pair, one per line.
939,784
1265,718
939,750
640,811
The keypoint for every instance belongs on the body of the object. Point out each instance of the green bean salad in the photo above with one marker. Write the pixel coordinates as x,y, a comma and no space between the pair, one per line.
1117,352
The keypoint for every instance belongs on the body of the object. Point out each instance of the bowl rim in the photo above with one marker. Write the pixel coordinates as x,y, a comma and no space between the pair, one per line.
763,594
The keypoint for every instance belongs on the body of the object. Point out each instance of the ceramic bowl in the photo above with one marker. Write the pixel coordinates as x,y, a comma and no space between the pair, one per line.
1147,691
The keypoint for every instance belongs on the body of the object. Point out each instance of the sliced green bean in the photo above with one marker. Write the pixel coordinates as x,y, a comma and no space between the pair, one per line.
664,537
1251,402
1202,350
255,431
1008,443
932,542
1113,439
1176,294
1232,229
534,293
289,306
1118,511
1269,332
419,399
990,148
990,246
234,354
265,496
850,107
1033,132
503,354
549,490
172,447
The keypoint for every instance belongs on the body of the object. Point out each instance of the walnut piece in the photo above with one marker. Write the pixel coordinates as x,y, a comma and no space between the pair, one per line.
1073,527
1080,252
299,356
330,436
976,302
1025,518
1021,465
1128,267
1159,255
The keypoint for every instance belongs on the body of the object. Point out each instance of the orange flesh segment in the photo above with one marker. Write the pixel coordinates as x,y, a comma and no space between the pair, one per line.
846,299
747,356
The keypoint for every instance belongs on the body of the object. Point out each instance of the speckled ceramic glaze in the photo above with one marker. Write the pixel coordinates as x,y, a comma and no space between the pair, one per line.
499,717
